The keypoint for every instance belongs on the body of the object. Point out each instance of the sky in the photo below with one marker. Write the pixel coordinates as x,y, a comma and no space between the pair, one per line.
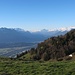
36,15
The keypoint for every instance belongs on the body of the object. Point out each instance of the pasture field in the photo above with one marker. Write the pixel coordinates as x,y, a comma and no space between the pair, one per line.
20,67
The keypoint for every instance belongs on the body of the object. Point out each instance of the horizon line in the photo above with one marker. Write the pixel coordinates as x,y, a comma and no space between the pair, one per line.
54,29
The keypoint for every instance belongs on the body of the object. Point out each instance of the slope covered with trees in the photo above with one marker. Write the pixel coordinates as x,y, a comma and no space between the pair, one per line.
54,47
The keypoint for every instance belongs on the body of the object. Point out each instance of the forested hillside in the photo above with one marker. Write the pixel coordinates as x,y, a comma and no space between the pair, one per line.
54,47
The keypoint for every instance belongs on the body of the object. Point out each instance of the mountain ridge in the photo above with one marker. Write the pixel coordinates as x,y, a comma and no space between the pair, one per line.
10,36
19,35
55,47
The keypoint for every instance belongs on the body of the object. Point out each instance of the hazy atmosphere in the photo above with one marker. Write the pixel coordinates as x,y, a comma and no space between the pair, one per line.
36,15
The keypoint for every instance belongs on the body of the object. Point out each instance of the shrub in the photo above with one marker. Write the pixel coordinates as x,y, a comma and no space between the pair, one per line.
46,56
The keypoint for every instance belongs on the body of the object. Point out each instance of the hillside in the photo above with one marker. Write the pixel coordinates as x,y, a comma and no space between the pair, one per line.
53,48
20,67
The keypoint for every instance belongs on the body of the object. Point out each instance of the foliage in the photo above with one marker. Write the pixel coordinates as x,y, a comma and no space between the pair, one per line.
55,47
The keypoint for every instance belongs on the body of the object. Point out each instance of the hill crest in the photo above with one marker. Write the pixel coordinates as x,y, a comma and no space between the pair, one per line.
54,47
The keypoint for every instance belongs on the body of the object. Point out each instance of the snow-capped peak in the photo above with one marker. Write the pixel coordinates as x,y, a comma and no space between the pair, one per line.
64,29
67,28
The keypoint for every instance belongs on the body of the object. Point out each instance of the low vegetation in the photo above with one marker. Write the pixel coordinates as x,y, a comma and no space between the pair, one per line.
20,67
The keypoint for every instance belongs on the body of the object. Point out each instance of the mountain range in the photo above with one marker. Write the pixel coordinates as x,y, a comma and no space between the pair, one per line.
10,35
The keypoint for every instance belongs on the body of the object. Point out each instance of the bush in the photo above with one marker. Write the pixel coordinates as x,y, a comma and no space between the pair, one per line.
36,57
46,56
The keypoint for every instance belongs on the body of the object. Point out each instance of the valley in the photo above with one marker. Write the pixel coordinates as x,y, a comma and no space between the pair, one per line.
50,57
13,51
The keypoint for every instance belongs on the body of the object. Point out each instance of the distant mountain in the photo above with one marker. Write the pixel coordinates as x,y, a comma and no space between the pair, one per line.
9,35
18,35
56,32
47,33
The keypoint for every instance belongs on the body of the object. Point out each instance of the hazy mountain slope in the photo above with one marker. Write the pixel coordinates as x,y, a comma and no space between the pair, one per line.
12,36
18,35
47,33
9,36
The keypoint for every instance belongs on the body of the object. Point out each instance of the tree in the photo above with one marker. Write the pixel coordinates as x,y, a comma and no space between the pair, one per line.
46,56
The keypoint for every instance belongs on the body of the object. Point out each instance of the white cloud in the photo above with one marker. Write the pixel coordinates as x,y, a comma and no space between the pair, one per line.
63,29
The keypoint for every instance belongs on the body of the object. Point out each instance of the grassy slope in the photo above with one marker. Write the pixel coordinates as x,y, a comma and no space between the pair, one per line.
16,67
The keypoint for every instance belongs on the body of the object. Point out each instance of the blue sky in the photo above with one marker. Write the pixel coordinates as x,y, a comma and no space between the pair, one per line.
37,14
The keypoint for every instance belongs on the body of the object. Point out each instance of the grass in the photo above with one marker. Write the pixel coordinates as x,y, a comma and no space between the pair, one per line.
19,67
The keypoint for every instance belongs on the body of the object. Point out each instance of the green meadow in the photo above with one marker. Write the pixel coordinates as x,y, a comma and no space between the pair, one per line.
20,67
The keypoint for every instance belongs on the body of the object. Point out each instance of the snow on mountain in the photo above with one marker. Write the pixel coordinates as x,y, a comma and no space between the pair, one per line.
67,28
19,35
63,29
